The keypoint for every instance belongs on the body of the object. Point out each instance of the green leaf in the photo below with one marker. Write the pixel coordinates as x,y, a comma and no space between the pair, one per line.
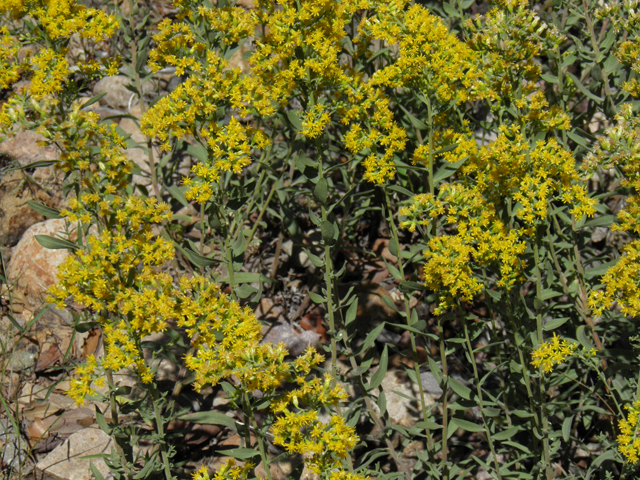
435,370
602,221
327,231
93,100
466,425
294,118
505,434
245,291
178,194
320,191
583,89
450,10
251,277
447,170
54,243
96,473
44,210
599,270
196,258
382,403
85,327
102,423
315,260
315,298
38,164
583,338
371,338
554,323
460,389
240,453
198,151
376,378
239,246
419,124
608,455
352,312
399,189
210,418
566,428
578,139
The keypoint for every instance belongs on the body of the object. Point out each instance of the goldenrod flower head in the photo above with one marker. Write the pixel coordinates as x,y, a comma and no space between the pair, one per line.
629,438
620,284
551,353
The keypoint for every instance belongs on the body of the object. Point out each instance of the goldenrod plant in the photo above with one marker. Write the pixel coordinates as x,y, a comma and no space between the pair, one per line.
496,145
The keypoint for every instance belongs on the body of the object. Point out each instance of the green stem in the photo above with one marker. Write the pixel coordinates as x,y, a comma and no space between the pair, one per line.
261,447
159,421
445,390
541,390
476,378
407,311
124,461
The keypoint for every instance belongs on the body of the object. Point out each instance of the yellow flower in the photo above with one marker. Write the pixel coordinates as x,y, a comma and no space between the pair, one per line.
552,353
629,440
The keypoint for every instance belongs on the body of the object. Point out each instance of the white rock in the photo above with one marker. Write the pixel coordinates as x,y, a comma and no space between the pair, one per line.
65,462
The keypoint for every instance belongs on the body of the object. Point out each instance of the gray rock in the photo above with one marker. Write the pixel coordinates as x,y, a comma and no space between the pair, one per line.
117,95
12,451
296,343
65,462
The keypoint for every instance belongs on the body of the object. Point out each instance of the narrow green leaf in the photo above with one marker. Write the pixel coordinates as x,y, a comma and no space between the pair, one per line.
315,298
44,210
583,89
93,100
554,323
352,312
460,389
239,246
96,473
314,259
371,338
240,453
210,418
466,425
566,428
102,423
583,337
419,124
376,378
54,243
505,434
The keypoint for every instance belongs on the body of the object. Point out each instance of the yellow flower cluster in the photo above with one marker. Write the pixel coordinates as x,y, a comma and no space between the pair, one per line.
479,239
430,59
9,67
58,19
620,148
324,445
510,37
230,470
551,353
624,16
85,375
621,284
533,176
116,278
629,439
